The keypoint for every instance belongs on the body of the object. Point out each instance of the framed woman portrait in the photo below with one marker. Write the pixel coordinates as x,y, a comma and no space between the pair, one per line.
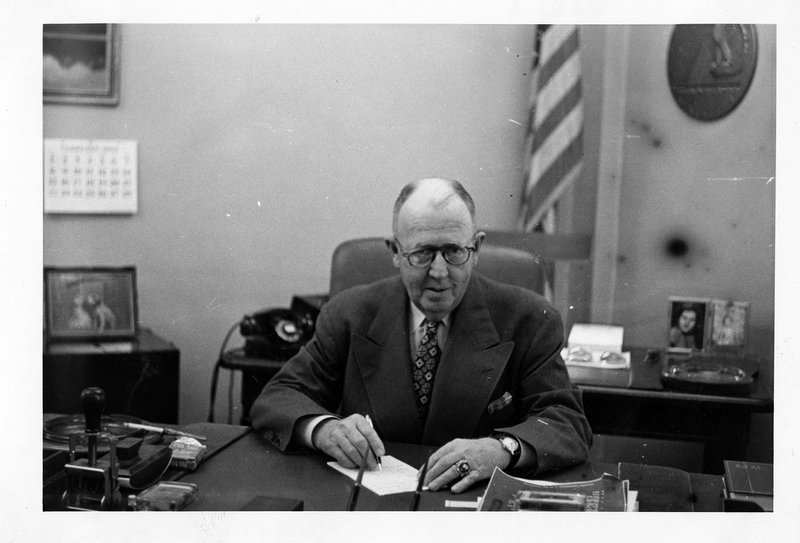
90,304
728,326
687,324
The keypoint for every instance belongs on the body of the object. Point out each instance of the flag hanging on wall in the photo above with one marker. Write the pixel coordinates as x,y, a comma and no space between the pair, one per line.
556,126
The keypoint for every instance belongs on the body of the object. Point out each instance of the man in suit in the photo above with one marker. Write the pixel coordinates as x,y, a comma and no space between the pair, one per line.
439,355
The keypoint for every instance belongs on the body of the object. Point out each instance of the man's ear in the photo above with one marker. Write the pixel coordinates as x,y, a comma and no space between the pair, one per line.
396,256
479,237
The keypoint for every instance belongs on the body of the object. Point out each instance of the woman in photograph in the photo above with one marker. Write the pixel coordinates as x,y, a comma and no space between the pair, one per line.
682,335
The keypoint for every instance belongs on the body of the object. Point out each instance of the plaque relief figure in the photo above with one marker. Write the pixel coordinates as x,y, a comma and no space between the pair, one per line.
724,64
710,67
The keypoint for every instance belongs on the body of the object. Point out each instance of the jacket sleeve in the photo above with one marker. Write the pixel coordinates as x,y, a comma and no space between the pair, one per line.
552,420
309,384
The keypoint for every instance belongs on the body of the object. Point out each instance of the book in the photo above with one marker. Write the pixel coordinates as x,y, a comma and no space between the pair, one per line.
750,481
507,493
660,488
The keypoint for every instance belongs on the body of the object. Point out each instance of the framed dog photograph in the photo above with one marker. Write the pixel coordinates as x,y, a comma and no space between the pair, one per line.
687,324
728,323
90,304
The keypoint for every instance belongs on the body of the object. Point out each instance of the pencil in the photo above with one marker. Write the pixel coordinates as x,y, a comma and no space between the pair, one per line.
418,491
378,458
160,430
357,487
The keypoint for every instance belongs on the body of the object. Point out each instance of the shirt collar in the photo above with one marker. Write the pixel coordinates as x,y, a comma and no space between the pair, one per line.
417,316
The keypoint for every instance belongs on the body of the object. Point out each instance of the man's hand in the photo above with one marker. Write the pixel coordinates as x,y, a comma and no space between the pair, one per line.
348,441
482,456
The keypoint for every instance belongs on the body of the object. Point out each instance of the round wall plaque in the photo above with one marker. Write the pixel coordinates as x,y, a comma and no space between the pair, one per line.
710,67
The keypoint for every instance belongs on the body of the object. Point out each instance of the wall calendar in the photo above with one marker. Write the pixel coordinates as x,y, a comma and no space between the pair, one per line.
90,176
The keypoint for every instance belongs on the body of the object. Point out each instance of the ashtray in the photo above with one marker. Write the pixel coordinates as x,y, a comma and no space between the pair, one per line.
164,496
707,378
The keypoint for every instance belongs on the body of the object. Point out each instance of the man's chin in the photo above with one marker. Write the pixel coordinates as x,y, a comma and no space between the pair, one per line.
439,306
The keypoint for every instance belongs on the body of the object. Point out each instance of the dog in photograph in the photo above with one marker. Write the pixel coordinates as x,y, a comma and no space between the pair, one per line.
102,316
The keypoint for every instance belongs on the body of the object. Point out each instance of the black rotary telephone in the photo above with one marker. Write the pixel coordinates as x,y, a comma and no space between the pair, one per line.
279,332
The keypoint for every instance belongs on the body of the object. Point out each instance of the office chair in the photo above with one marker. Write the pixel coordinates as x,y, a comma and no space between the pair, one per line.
364,260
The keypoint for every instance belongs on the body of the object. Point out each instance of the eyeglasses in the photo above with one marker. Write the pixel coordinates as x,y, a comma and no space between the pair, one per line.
455,255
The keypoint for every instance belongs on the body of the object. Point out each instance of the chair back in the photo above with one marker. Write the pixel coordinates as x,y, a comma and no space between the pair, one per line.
364,260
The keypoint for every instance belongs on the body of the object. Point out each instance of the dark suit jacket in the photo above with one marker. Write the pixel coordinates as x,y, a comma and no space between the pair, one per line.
500,370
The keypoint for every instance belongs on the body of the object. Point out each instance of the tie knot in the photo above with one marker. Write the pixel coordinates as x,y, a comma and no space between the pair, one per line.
431,326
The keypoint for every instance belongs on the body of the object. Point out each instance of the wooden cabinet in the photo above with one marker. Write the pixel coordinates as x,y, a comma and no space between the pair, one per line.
140,378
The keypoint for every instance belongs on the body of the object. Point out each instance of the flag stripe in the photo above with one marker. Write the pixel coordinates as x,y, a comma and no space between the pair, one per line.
544,215
554,142
552,175
568,103
553,58
558,142
548,96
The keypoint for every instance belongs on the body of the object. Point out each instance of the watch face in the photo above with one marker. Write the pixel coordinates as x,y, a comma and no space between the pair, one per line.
510,443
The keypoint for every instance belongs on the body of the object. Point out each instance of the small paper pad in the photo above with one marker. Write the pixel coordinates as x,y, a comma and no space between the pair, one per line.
396,477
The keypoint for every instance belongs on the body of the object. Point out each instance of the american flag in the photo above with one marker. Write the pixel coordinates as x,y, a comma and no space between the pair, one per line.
556,126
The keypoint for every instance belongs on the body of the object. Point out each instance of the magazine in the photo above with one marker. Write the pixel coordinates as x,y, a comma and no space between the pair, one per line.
507,493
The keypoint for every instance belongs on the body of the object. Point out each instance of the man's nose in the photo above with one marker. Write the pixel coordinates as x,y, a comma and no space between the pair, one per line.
439,268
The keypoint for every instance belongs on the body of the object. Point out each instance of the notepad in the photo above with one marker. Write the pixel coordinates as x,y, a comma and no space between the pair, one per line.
396,477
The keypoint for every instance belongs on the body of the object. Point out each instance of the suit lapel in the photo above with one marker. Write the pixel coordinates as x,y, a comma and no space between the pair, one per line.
383,357
472,363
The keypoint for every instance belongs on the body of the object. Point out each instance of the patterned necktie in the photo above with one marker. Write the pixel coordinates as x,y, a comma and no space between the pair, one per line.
428,355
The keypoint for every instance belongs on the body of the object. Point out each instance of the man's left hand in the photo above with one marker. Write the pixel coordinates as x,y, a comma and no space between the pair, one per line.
481,456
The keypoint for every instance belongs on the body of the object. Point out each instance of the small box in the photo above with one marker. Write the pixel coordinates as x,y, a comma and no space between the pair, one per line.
187,453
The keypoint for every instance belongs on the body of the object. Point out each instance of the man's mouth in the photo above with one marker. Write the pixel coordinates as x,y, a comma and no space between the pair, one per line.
438,290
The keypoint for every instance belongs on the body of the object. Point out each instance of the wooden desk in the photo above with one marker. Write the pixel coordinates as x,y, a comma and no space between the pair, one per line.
634,403
250,466
241,465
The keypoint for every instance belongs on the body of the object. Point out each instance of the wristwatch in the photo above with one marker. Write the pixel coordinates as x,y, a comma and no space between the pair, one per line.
510,444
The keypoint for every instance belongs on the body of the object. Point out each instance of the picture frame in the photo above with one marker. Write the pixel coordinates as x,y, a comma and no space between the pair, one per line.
687,332
728,324
80,64
90,304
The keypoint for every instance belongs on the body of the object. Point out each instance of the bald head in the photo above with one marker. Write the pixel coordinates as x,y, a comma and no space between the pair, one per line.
431,194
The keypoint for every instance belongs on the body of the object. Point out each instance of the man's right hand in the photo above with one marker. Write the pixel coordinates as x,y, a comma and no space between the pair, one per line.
348,440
